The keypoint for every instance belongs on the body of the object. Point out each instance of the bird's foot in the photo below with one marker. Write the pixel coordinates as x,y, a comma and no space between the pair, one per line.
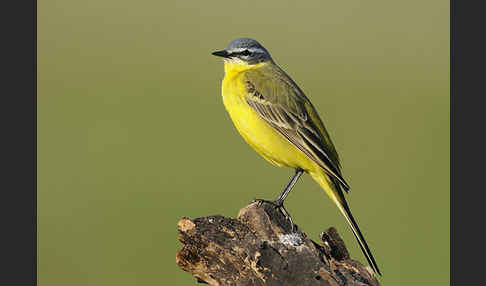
261,201
279,206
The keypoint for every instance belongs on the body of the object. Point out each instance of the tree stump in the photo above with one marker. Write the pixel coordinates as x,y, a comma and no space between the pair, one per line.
259,248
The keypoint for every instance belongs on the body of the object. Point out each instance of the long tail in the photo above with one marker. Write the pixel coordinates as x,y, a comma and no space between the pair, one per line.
334,191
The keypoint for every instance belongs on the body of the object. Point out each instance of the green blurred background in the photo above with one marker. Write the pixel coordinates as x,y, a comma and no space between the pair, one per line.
133,135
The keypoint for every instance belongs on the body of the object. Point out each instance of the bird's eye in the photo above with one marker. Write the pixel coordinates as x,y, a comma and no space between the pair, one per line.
246,53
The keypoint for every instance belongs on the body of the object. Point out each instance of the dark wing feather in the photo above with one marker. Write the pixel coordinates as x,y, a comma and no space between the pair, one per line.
282,104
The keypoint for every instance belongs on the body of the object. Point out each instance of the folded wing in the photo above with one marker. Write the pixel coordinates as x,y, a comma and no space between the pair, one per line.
283,106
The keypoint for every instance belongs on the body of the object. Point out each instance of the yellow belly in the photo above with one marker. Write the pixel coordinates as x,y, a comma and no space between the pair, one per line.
258,133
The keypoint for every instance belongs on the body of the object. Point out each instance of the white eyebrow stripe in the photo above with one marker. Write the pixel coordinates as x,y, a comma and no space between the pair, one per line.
239,50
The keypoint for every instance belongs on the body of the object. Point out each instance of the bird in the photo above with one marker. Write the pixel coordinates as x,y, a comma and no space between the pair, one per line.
279,122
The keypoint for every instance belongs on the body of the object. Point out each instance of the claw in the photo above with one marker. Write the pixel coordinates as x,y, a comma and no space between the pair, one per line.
261,201
287,216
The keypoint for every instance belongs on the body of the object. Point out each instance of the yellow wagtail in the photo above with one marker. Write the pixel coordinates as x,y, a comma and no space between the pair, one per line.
274,117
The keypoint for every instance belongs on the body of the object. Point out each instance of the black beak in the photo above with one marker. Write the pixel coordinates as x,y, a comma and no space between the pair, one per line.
222,53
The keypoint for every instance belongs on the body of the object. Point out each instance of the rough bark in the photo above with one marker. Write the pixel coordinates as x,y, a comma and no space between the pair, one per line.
259,248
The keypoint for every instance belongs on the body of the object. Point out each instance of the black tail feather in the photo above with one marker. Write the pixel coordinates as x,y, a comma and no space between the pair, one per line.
356,231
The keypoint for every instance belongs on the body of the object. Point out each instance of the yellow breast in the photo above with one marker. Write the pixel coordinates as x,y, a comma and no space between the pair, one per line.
257,133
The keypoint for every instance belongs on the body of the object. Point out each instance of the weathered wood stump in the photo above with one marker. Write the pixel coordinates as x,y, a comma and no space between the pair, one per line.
259,248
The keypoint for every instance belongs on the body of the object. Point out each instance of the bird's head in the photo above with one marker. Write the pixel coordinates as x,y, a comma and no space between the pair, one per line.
244,51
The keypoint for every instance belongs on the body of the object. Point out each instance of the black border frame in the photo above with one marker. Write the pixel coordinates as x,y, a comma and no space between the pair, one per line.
467,127
18,114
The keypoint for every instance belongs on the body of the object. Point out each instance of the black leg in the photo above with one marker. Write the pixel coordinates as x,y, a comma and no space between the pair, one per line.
283,195
278,203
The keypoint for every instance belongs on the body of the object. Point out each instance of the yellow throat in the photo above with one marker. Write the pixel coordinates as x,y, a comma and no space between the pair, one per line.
234,67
